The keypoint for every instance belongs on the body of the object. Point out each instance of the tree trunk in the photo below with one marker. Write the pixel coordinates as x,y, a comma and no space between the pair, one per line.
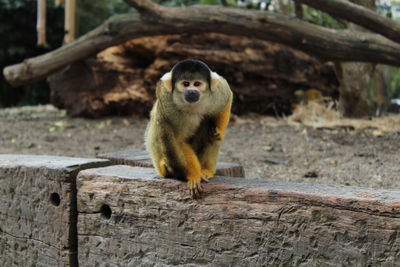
357,79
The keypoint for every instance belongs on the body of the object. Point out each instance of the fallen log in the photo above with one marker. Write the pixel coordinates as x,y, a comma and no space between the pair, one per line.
128,217
325,43
122,79
141,158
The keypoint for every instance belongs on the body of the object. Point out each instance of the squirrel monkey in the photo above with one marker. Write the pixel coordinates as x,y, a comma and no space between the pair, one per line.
187,123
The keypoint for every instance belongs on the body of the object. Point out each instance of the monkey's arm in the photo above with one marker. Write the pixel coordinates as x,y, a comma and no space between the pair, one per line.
209,155
222,120
193,169
212,130
222,113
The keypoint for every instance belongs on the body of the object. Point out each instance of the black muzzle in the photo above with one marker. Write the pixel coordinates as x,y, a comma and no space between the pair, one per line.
191,96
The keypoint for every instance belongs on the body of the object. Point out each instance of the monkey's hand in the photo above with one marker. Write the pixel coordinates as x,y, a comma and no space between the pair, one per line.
215,134
195,187
219,134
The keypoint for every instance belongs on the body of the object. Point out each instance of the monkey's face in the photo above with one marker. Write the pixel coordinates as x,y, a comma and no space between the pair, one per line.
191,92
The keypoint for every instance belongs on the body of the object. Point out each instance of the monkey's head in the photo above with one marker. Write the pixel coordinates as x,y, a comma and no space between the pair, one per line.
190,83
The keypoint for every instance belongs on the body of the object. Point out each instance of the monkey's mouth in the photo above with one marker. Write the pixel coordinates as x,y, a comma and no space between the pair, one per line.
191,96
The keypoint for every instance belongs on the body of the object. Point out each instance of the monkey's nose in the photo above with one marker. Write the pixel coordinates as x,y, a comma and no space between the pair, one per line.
191,96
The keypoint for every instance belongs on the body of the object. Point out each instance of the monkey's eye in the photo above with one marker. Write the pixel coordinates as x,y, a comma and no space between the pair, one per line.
197,84
186,84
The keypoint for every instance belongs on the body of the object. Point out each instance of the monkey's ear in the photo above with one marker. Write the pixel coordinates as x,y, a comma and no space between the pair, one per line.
167,80
215,77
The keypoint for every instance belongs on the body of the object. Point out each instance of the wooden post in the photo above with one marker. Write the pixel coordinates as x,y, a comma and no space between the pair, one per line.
41,22
38,209
69,23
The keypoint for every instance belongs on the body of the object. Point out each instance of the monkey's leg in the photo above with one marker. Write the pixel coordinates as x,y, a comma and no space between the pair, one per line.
161,167
193,169
166,153
222,121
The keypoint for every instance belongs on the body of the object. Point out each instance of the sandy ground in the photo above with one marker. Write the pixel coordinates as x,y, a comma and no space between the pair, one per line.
268,148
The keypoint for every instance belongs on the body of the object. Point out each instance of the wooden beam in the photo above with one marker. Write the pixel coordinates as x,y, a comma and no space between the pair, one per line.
38,209
128,216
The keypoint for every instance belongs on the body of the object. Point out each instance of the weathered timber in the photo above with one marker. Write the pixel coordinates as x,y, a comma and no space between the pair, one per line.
154,19
128,217
38,209
141,158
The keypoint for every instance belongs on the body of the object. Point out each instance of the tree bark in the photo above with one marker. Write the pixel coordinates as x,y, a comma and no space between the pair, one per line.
69,21
359,15
327,44
41,22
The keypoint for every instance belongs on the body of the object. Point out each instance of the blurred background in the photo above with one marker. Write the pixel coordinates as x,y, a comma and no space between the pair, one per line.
289,68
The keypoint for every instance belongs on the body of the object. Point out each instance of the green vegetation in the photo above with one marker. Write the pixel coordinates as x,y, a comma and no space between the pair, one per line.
18,41
315,16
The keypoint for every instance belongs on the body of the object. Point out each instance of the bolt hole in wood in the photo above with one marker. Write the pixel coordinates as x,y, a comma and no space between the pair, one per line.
55,199
105,211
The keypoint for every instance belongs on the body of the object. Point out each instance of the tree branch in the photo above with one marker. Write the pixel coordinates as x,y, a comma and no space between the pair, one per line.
359,15
325,43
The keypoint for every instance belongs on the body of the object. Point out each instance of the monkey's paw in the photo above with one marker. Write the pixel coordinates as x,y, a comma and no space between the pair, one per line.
217,134
195,187
206,175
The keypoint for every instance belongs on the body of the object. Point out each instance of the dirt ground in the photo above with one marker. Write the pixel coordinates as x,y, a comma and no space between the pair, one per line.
267,148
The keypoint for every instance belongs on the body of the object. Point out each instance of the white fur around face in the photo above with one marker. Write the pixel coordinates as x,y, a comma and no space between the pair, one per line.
166,76
215,76
167,80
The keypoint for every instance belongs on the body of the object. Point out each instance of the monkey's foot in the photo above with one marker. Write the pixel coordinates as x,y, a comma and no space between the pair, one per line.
195,187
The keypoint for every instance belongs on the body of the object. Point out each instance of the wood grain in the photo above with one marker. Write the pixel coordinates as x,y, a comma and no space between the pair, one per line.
37,228
129,217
